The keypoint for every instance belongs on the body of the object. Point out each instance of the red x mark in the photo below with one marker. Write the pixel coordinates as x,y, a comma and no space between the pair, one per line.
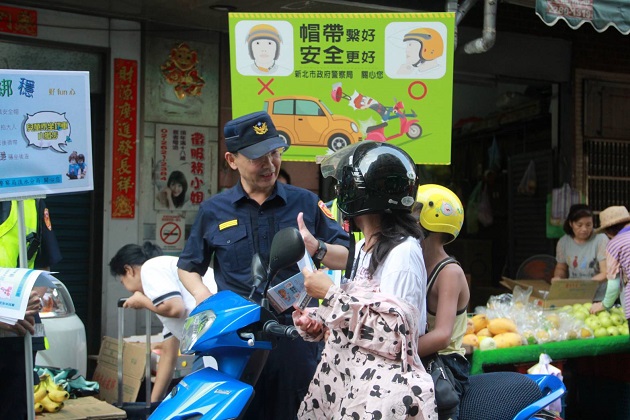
265,86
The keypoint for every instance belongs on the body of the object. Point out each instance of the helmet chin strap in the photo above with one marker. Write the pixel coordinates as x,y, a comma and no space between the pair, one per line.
420,61
266,69
350,262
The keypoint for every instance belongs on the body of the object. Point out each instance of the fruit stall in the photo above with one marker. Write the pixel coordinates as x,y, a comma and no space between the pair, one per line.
592,351
558,351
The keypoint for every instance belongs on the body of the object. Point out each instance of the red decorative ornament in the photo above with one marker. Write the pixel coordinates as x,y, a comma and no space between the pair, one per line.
180,70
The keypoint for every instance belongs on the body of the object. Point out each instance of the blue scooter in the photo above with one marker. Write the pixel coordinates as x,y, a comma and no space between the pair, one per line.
238,333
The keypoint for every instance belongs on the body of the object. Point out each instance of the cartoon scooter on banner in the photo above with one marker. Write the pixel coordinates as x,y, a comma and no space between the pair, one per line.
409,125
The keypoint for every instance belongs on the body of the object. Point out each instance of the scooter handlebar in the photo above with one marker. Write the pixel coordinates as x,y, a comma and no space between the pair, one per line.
279,330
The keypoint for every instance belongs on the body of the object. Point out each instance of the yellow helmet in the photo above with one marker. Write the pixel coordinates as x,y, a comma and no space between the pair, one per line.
442,211
431,40
263,31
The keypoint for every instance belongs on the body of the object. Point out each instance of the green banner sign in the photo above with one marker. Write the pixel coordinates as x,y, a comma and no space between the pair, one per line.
329,80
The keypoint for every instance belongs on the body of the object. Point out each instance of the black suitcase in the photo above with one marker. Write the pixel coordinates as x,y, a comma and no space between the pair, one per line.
134,410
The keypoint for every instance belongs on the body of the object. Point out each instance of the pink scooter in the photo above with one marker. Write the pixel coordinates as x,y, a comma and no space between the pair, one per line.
410,127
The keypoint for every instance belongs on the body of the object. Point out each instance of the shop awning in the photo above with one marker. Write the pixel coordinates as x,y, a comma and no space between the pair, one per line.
599,13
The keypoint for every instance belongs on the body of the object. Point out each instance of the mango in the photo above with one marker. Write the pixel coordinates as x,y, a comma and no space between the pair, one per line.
480,321
501,325
508,339
484,332
471,340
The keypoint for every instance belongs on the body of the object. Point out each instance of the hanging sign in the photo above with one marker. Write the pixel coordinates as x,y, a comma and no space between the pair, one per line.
330,80
45,133
124,135
18,21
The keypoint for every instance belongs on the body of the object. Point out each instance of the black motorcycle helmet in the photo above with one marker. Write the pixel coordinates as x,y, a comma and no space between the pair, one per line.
372,177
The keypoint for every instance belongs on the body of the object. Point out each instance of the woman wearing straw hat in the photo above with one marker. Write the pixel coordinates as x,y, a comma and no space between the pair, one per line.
615,223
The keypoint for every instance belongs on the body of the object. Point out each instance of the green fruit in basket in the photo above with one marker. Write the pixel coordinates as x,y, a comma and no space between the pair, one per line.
624,330
607,322
593,322
612,330
617,319
603,314
581,315
601,332
587,305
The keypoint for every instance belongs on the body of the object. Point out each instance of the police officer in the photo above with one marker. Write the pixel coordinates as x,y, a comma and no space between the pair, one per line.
234,225
42,252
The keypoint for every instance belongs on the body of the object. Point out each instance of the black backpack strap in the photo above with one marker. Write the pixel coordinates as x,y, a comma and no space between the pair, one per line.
436,270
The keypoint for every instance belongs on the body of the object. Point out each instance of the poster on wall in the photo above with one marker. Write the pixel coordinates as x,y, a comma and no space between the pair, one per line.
180,172
330,80
45,133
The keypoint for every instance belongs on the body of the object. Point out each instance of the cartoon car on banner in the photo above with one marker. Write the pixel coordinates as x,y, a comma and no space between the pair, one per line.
306,121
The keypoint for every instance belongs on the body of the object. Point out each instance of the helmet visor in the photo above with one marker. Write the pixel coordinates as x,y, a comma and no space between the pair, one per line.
333,164
350,193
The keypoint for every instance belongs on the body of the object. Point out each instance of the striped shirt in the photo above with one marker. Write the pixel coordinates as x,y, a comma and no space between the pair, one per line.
618,263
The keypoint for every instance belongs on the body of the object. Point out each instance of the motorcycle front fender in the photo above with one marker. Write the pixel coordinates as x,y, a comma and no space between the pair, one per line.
205,394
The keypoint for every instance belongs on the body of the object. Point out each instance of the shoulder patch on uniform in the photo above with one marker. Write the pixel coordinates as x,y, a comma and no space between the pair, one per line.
47,219
228,224
325,210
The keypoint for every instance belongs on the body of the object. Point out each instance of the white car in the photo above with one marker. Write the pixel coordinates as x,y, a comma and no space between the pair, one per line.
64,330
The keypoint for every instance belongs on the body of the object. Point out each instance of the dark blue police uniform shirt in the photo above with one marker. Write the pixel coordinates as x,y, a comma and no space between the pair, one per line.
49,254
234,227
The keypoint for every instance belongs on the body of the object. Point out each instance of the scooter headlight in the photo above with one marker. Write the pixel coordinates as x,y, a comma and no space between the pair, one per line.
354,127
195,327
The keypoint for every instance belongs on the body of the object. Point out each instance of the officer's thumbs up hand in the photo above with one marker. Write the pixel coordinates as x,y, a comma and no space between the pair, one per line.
310,242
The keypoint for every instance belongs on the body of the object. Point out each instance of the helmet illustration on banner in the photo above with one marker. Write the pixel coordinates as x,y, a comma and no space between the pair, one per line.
432,45
441,211
263,31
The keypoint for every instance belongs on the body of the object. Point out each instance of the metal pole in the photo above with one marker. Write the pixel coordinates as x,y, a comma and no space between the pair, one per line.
147,368
121,325
28,342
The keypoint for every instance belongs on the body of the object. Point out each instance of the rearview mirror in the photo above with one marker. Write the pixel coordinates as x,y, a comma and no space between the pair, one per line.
287,248
259,273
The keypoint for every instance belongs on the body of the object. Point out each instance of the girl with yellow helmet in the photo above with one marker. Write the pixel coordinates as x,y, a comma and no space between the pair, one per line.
441,215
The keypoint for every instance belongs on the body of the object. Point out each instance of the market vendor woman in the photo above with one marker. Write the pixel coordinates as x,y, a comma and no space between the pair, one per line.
581,253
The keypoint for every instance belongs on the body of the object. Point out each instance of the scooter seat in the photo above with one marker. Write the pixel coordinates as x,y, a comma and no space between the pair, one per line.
498,396
376,127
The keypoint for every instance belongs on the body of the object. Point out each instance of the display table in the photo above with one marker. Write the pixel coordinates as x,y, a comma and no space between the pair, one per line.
556,350
85,408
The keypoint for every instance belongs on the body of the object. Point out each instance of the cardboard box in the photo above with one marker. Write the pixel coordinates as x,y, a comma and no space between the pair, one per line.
85,408
106,373
559,293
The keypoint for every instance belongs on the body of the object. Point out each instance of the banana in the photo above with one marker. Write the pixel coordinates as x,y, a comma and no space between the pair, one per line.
39,407
49,405
58,395
49,382
40,391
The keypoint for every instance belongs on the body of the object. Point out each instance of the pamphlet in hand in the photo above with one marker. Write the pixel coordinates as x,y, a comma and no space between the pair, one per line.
15,289
291,291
